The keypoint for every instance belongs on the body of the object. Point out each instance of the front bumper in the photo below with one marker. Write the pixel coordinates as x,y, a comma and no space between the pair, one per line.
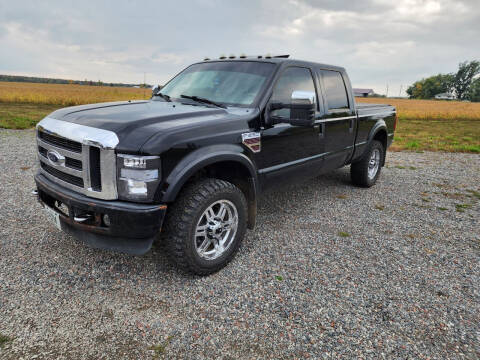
132,229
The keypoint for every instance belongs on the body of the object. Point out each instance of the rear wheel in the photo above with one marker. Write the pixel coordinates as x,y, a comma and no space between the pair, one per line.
366,171
205,226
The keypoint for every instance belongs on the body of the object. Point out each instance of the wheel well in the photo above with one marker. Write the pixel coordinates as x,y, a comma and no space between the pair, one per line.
237,174
382,137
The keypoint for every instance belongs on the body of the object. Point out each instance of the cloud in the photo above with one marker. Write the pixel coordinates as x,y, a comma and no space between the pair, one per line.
378,41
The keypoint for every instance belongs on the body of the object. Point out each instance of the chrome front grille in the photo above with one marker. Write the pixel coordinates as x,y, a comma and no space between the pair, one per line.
71,179
61,142
78,157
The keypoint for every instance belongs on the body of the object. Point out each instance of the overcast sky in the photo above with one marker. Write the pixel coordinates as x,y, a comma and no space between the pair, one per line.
377,41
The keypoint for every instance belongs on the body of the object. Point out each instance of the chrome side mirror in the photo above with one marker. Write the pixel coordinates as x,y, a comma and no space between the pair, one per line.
303,97
155,89
302,108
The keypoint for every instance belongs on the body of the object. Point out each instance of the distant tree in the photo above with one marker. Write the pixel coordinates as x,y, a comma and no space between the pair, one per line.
33,79
474,93
431,86
464,78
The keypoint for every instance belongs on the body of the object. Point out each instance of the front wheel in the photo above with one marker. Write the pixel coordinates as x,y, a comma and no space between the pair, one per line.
206,225
366,171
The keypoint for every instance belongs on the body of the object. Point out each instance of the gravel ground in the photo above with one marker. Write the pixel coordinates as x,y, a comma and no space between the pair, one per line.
331,271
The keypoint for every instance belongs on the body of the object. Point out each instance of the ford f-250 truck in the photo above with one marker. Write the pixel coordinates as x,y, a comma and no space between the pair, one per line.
193,159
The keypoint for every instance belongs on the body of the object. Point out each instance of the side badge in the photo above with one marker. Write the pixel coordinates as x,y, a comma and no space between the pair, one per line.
252,141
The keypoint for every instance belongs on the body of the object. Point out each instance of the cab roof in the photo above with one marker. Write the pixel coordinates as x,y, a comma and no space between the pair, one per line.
280,60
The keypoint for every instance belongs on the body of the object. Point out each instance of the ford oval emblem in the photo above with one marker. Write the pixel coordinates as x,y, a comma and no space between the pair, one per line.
55,157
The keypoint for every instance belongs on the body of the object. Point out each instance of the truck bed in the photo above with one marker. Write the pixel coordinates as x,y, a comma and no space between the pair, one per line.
366,109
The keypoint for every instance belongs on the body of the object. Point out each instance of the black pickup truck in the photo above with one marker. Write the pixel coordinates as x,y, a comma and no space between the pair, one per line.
194,158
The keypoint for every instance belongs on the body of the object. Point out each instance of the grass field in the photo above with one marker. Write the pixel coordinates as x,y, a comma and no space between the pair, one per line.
65,94
432,125
423,124
22,105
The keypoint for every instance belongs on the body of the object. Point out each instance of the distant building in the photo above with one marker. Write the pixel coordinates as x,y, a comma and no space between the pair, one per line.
363,92
445,96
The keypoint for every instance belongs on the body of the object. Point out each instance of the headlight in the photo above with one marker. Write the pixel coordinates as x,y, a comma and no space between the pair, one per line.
138,177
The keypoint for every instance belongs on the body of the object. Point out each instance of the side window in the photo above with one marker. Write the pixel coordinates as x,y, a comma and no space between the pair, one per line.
335,90
292,79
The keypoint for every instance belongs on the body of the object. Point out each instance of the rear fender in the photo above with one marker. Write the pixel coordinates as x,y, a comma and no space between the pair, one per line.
380,126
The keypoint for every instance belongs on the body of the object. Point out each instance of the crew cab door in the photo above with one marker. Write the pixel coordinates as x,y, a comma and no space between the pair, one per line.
290,151
338,120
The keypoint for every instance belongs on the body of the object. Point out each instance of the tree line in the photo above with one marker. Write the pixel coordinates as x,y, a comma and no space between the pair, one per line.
34,79
464,84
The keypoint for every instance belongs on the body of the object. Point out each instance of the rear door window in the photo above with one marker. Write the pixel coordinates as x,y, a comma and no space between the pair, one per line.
335,90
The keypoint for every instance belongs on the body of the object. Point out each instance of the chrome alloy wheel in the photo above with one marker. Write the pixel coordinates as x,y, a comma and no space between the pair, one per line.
374,164
216,229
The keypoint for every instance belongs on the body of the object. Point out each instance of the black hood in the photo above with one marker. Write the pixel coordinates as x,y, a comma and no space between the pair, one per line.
135,122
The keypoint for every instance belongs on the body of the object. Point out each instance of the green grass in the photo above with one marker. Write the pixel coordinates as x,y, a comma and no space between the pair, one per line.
343,234
4,339
468,148
412,145
159,349
23,116
438,135
462,207
474,193
452,133
279,278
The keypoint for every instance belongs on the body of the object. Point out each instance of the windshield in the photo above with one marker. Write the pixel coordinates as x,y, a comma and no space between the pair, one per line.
235,83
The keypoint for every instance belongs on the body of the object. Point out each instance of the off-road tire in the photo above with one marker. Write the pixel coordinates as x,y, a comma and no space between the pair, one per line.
182,218
359,169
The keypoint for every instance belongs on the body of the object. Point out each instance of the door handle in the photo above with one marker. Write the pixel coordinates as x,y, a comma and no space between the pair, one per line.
352,124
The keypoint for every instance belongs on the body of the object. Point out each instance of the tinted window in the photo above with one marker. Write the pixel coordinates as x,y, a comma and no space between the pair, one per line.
229,82
335,90
292,79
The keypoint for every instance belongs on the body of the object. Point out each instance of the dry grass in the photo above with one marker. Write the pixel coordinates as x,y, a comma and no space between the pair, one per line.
432,125
65,94
430,109
22,105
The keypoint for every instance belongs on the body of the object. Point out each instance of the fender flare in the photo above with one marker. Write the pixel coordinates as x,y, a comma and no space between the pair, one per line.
202,157
380,125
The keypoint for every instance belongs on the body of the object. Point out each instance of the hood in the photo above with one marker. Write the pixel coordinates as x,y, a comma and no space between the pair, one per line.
134,122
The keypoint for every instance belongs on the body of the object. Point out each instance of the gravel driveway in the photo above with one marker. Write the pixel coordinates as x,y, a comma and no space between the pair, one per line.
331,271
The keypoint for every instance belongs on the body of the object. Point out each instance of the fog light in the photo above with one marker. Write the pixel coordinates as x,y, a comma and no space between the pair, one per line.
137,187
106,220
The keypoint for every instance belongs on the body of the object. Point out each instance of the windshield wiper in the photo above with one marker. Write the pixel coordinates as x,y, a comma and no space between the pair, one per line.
202,100
163,96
